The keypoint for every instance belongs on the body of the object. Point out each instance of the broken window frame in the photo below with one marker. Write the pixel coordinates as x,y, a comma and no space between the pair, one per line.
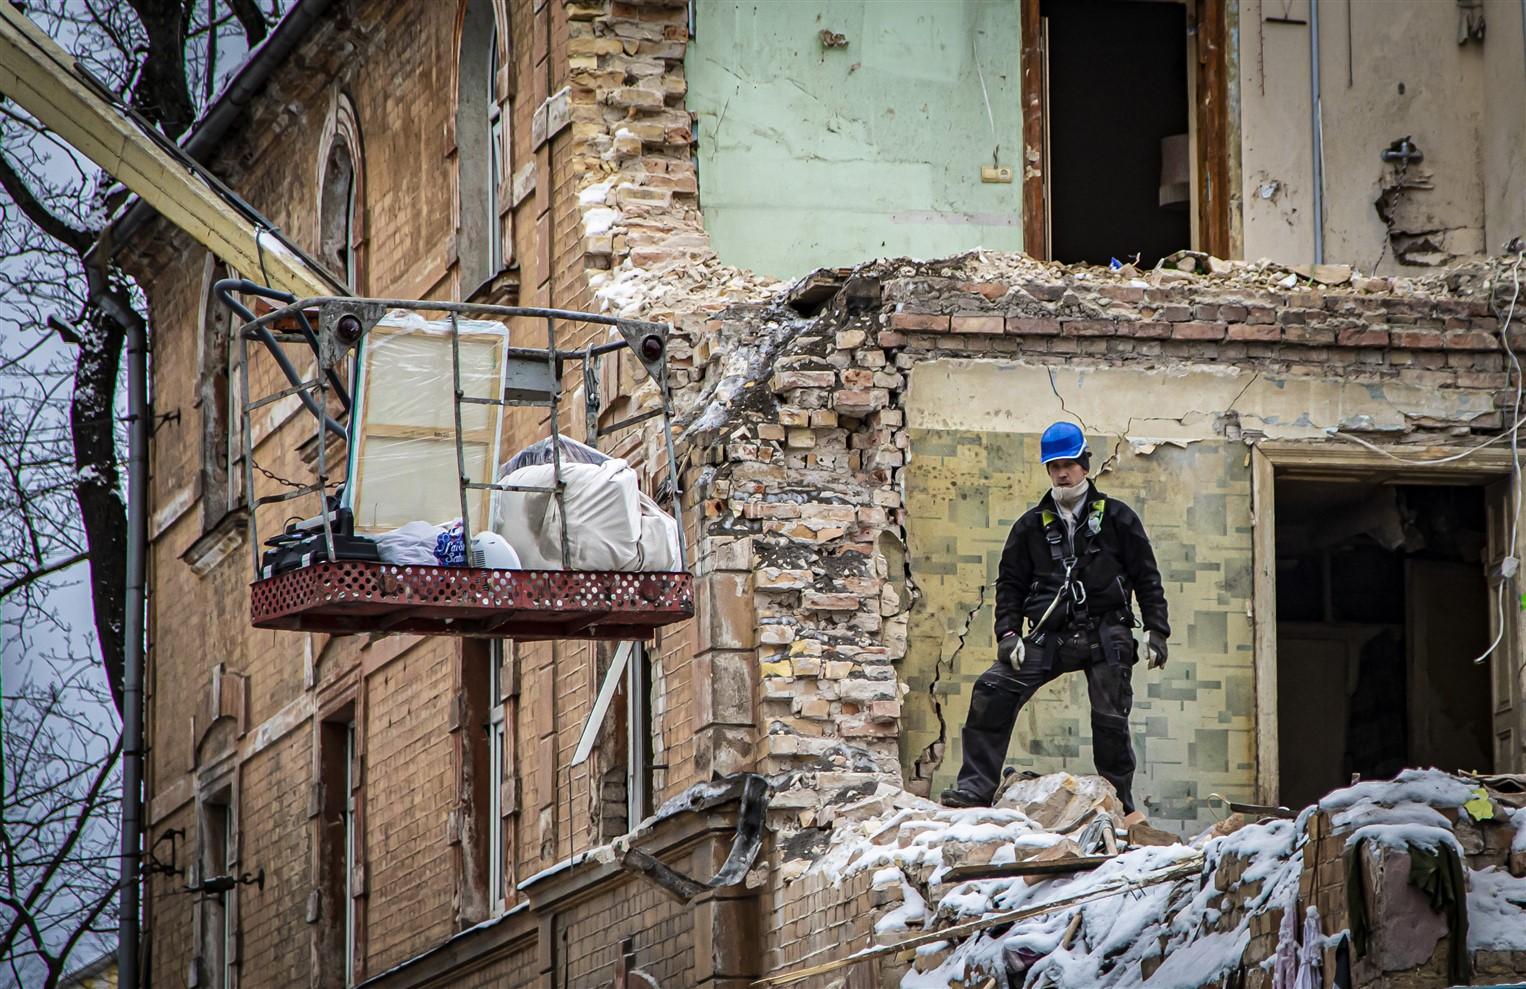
496,730
640,724
1208,44
336,805
495,133
340,197
482,146
348,824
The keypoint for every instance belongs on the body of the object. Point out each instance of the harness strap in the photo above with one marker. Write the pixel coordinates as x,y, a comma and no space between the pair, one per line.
1070,585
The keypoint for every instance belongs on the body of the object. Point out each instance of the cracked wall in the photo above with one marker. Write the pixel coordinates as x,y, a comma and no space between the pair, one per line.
870,148
1176,439
1388,70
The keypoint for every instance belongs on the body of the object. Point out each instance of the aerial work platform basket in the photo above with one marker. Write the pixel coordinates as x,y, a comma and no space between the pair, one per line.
349,596
325,582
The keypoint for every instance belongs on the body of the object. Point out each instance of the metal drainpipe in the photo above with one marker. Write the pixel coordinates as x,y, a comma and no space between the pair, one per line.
1319,144
132,628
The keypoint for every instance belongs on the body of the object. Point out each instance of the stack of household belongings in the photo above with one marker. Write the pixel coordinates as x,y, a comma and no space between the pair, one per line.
610,523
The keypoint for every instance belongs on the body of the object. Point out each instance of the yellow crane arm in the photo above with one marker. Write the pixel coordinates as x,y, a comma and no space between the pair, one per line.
43,79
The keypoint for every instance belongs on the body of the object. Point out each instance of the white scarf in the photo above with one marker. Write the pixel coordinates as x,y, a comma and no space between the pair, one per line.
1068,501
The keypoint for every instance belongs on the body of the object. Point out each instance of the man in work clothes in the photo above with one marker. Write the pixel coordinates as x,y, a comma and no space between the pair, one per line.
1070,565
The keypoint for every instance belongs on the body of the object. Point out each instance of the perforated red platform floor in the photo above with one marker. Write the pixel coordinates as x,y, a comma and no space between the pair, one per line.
351,597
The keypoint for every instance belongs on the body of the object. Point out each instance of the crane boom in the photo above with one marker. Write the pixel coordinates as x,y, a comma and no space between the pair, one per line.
45,81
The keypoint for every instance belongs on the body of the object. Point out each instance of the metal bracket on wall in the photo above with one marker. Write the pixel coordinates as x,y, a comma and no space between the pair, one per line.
341,325
753,791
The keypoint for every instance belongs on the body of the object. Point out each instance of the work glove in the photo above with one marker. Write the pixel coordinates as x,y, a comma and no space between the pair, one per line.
1155,645
1010,650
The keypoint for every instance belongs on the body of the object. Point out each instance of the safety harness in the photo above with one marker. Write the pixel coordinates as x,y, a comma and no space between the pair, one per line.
1057,549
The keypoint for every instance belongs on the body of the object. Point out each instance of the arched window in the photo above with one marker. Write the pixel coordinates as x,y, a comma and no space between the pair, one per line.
481,146
340,214
217,358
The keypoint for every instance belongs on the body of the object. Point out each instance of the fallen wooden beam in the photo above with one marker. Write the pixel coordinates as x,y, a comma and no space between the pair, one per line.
1184,870
1032,867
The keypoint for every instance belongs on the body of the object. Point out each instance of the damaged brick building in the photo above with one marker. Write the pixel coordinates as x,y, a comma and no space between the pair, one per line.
1305,442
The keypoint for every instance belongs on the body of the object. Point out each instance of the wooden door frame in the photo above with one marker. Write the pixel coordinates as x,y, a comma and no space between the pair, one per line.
1212,148
1324,460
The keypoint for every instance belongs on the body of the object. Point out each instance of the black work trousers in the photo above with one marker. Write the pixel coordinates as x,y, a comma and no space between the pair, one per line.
1001,692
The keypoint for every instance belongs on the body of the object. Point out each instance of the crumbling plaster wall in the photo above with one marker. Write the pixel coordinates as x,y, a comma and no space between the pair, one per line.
1175,437
1504,132
1399,72
814,152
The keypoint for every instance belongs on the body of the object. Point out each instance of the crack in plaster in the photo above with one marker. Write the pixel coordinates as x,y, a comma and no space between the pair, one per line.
932,756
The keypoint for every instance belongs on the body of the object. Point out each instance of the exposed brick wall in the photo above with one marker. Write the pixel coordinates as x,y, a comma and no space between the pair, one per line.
409,792
589,937
632,135
272,812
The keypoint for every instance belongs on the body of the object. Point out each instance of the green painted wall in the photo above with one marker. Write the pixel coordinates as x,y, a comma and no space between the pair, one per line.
812,156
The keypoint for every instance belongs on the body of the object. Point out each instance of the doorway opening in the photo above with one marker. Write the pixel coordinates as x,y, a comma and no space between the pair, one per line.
1382,607
1118,158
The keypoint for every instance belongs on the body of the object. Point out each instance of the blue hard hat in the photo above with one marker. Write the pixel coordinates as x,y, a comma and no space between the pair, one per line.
1062,441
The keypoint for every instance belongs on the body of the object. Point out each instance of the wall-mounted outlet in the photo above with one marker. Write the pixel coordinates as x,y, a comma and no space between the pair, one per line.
996,173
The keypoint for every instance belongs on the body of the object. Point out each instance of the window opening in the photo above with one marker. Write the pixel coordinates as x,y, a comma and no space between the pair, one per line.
339,221
338,846
348,823
217,856
482,125
1118,171
495,155
495,768
220,413
638,692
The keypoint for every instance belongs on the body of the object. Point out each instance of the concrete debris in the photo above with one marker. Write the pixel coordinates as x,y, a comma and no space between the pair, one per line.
1212,272
1060,802
679,288
1237,885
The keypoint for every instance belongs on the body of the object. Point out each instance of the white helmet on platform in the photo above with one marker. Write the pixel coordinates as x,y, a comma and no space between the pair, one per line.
492,551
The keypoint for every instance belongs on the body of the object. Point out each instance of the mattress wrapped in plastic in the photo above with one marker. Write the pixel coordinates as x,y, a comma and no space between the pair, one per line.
611,524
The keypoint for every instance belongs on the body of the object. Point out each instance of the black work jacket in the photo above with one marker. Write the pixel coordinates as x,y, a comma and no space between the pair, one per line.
1113,564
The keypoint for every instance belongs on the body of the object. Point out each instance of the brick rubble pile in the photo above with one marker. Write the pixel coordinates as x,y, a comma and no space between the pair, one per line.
1224,919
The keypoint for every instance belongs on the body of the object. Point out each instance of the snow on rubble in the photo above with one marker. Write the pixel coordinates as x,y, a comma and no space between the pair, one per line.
1170,915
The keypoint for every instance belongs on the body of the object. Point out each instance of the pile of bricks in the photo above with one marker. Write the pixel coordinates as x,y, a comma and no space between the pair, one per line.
1414,953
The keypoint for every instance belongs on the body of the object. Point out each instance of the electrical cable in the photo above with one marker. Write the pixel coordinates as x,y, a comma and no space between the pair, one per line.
1511,563
224,291
265,292
980,73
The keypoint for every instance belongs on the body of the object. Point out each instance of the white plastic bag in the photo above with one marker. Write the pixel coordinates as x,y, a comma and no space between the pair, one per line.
659,538
410,544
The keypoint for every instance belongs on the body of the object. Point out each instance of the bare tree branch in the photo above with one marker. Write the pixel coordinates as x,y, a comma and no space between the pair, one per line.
251,19
14,186
46,570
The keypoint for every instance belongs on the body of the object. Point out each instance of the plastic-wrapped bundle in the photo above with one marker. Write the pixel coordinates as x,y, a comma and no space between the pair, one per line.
603,517
539,454
611,524
410,544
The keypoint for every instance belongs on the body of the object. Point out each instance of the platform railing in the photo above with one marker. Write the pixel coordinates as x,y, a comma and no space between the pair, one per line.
343,324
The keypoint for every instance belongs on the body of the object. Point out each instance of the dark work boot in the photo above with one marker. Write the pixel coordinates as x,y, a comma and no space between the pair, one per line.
955,797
